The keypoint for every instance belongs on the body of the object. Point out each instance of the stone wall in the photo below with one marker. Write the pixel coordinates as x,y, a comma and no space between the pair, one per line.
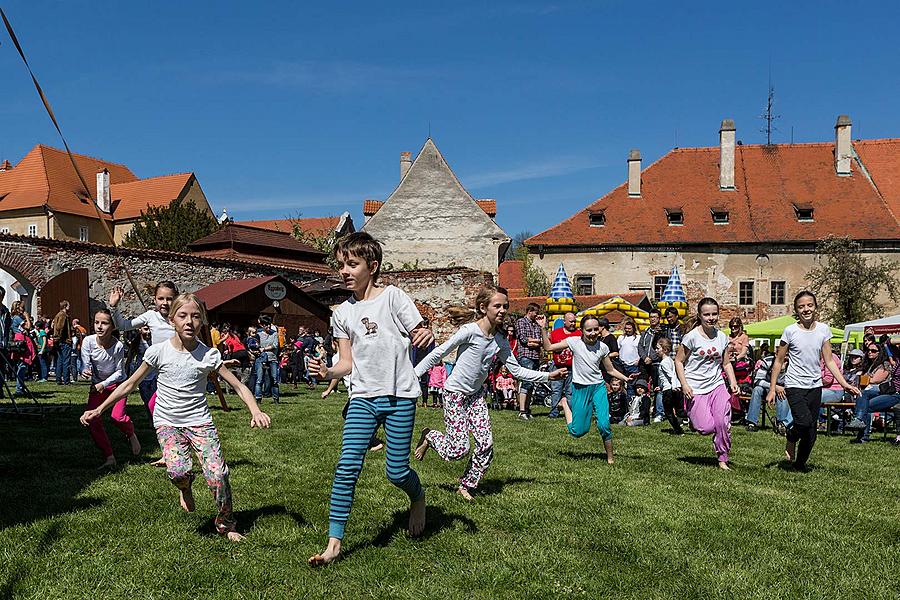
435,290
37,260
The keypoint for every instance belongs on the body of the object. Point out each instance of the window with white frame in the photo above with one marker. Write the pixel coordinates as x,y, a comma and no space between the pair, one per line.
659,286
777,293
745,293
32,229
83,234
4,229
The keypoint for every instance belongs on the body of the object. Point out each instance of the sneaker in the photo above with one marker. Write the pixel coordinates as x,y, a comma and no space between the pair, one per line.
554,414
658,419
856,423
523,416
751,427
530,416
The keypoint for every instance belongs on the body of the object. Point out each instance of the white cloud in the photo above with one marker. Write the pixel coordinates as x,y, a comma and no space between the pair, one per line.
534,170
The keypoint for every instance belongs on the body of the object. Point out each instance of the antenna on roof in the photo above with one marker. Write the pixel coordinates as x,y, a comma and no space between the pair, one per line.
429,130
769,117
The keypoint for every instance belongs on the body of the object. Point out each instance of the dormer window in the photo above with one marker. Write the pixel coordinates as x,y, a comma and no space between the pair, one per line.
597,219
675,216
719,216
804,213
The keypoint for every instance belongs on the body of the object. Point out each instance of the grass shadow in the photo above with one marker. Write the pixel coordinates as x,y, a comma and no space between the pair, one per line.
703,461
489,487
436,520
246,519
583,455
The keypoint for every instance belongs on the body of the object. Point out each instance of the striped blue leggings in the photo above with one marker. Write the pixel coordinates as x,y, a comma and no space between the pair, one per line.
363,417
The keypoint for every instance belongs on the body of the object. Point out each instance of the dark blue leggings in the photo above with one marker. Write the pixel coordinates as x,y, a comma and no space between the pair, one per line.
364,415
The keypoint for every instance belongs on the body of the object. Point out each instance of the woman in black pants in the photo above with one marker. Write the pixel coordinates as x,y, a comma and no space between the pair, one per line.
807,342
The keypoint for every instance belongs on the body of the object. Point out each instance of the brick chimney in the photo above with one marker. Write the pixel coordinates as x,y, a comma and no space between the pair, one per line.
5,166
726,154
634,173
843,151
405,163
103,200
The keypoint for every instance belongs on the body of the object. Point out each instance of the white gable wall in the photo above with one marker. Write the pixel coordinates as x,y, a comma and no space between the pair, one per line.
432,219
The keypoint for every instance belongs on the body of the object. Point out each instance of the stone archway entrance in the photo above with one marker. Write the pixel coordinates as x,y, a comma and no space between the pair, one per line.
17,287
21,273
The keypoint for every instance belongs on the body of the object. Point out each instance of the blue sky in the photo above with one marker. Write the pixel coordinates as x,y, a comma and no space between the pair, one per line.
287,107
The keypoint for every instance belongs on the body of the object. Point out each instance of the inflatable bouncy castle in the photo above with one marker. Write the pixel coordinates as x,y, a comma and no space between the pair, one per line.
560,300
673,295
640,317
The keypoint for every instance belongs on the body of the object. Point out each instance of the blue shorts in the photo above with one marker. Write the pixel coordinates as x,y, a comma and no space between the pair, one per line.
528,363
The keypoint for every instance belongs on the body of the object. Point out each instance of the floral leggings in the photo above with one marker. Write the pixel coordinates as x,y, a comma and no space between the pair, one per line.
177,443
464,414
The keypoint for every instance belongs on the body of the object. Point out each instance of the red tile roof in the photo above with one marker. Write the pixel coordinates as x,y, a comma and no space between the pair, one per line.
131,198
235,234
511,277
370,207
314,225
45,176
770,182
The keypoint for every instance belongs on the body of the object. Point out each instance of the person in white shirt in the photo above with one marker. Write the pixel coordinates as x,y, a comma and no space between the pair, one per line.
702,357
182,418
588,386
103,362
807,342
374,329
628,352
669,384
465,410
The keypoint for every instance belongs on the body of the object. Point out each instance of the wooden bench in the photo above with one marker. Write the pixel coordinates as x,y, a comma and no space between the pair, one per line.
829,410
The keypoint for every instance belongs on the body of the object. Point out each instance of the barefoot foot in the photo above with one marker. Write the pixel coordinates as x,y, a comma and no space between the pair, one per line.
724,465
186,498
135,444
464,492
110,463
417,517
329,555
158,463
234,536
376,445
422,446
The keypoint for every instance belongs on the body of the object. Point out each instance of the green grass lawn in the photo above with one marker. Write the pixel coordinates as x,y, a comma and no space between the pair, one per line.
553,519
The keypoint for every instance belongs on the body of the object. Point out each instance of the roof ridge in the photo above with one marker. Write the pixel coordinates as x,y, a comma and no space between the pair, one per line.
78,155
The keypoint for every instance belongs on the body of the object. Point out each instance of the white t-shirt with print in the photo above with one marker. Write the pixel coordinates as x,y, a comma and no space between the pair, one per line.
378,331
628,349
804,354
703,368
586,360
181,383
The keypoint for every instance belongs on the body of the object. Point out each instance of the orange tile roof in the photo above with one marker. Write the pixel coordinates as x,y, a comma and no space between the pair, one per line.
45,176
315,225
511,277
770,182
130,198
370,207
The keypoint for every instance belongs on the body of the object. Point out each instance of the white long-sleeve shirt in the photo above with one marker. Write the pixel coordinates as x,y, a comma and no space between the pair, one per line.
668,379
107,364
161,329
475,352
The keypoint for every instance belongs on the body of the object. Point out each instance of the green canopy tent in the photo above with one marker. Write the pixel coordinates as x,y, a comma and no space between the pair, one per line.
772,329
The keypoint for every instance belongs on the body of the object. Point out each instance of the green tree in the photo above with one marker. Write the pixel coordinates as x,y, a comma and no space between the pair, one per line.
536,282
516,245
323,242
171,227
848,284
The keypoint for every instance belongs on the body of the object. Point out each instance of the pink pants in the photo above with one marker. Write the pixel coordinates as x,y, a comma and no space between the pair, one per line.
119,419
711,413
151,404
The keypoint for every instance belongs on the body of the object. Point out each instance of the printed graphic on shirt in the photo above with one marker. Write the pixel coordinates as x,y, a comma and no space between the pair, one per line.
371,326
710,354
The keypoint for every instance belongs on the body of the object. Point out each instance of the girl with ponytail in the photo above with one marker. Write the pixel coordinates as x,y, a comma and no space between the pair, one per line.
481,337
702,357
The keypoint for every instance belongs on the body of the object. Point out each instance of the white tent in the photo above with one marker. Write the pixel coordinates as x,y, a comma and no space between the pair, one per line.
884,325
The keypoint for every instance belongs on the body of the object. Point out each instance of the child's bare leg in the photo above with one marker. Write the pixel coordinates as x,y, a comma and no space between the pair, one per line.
423,445
568,411
724,465
464,492
609,451
790,450
328,555
417,517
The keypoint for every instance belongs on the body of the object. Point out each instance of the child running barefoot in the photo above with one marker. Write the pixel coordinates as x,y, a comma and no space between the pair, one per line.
701,359
182,418
465,410
374,329
807,342
588,386
103,358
